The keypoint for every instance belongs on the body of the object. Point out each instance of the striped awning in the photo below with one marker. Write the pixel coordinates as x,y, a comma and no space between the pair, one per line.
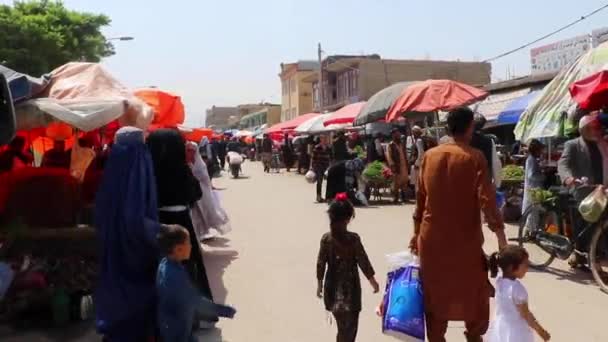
495,104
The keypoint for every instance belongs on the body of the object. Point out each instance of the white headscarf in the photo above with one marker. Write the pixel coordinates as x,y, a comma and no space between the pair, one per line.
199,169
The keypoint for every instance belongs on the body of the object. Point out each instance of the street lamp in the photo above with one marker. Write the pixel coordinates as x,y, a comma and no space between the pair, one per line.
124,39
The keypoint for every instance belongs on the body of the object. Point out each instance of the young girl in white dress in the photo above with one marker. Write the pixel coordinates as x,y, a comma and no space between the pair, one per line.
513,321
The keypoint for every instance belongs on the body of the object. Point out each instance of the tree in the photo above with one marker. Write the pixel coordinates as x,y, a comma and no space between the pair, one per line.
37,36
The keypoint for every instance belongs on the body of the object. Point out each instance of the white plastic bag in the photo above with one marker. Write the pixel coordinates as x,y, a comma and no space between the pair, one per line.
593,206
361,198
311,176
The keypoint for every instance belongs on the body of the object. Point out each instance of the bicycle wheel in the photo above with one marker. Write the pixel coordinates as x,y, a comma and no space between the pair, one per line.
598,256
536,219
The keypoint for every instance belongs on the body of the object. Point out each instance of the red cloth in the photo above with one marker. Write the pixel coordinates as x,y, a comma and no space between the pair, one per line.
432,96
591,93
344,115
288,126
39,197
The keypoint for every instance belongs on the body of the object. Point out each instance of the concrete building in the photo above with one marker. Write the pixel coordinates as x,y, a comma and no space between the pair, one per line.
350,79
268,116
296,96
230,117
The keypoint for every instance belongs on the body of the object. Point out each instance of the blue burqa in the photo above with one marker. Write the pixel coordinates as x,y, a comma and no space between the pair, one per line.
127,224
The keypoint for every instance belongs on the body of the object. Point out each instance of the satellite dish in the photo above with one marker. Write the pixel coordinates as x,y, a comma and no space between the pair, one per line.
7,113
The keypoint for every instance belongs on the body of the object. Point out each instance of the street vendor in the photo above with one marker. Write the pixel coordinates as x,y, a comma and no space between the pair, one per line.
398,164
57,157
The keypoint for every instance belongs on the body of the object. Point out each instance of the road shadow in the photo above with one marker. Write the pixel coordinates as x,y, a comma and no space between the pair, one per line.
74,332
216,262
575,276
210,335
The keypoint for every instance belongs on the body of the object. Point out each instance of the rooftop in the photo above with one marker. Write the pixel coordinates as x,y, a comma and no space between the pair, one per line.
524,81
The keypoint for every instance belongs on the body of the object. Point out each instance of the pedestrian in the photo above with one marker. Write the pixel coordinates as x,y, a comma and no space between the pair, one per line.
513,321
266,152
320,160
303,156
126,223
338,279
178,190
287,150
486,145
397,161
208,154
452,188
534,178
220,148
340,148
179,303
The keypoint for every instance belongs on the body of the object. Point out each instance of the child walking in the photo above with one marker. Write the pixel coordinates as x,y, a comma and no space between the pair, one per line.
178,300
513,321
340,253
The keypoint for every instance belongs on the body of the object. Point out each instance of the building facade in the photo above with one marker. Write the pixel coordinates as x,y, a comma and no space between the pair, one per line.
296,94
350,79
268,116
222,118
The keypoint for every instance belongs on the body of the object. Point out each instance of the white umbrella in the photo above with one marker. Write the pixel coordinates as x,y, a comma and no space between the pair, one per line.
314,124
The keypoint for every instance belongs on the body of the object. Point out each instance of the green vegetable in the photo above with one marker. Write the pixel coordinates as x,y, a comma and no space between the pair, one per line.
513,173
542,196
373,172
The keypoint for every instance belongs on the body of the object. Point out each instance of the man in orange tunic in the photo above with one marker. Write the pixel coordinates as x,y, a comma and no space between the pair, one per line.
453,189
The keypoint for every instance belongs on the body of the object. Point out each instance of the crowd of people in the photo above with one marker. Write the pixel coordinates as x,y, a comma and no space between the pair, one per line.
447,221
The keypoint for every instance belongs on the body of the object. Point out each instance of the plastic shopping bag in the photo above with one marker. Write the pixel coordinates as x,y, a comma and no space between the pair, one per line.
403,315
592,207
311,176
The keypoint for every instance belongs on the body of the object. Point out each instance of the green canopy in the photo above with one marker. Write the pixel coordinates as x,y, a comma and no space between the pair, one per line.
552,113
376,107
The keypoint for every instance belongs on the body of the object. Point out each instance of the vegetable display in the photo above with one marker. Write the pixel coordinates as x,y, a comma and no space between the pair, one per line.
513,173
377,172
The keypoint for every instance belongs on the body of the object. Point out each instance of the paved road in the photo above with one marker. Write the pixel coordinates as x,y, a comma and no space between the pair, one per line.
266,268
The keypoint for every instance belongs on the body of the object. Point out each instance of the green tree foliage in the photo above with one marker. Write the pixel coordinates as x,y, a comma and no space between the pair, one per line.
37,36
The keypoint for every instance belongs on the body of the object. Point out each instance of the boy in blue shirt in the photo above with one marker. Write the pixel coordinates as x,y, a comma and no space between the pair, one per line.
179,303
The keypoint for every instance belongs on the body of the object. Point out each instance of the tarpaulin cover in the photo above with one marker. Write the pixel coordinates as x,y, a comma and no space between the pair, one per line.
591,93
168,108
345,115
23,86
291,124
85,96
376,107
496,103
195,134
510,115
433,96
547,117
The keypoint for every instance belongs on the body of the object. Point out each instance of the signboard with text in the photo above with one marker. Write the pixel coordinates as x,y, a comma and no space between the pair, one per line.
553,57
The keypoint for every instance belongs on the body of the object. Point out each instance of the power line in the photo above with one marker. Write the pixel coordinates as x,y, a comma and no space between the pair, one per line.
547,35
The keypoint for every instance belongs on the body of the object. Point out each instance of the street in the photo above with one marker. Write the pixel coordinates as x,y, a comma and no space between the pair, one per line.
266,268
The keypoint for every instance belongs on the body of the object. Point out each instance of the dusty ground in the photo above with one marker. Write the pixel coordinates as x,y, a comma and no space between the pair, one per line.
266,268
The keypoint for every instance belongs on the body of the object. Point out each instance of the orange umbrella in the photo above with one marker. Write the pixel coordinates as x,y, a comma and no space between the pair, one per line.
196,134
432,96
168,108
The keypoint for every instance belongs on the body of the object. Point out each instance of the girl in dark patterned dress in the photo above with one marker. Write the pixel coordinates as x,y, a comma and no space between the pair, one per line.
340,253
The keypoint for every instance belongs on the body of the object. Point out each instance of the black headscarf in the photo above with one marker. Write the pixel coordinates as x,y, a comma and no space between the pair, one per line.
174,180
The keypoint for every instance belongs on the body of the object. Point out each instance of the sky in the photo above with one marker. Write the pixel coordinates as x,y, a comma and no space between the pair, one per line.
229,52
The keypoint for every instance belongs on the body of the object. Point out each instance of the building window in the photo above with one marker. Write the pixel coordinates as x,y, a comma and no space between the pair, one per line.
284,84
293,85
315,95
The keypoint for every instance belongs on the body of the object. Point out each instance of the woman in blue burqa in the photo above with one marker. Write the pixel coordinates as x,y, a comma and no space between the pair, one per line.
126,220
178,190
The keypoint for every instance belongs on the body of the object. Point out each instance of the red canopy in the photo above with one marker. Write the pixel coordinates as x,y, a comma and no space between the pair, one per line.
168,108
591,93
290,125
432,96
344,115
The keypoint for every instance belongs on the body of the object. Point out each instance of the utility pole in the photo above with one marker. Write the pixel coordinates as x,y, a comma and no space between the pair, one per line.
320,87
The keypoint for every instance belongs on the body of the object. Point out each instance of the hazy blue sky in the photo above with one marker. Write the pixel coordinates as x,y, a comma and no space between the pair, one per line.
228,52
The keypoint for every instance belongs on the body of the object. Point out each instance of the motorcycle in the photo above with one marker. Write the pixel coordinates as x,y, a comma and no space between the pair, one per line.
235,160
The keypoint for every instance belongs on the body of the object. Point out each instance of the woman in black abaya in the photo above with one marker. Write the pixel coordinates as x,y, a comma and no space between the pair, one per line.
178,190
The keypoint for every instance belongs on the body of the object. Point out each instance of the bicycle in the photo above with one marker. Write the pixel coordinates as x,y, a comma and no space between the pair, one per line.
545,231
